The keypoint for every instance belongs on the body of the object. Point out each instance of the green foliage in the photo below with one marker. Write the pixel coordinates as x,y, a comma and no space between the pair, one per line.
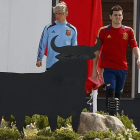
135,135
9,134
63,122
12,119
85,110
42,122
60,122
122,134
35,117
66,135
39,138
44,132
68,121
44,138
8,123
126,121
102,112
91,135
27,121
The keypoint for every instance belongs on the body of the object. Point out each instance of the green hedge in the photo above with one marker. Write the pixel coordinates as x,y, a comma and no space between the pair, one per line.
9,134
66,135
91,135
60,134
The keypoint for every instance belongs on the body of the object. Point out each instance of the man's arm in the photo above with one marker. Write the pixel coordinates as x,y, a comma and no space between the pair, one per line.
95,62
134,46
42,46
74,38
137,55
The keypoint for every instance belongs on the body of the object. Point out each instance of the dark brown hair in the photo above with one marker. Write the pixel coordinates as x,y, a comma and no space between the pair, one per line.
116,8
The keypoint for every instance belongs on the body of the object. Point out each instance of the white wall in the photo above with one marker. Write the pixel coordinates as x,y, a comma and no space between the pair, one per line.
4,30
134,60
133,56
21,26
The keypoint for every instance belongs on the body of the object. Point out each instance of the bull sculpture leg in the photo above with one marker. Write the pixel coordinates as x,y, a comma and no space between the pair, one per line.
20,123
75,121
53,122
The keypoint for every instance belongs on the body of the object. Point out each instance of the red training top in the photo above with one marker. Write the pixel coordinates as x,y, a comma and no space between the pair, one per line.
114,43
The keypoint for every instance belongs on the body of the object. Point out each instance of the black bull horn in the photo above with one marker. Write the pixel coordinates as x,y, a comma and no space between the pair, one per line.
75,52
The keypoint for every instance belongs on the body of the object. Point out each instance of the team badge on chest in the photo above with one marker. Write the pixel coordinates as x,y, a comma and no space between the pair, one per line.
68,32
125,36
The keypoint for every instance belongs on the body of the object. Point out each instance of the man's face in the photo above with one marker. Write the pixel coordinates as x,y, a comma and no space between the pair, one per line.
60,17
116,17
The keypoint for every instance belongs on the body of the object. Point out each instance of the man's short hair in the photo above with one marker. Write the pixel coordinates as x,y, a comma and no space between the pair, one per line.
116,8
61,7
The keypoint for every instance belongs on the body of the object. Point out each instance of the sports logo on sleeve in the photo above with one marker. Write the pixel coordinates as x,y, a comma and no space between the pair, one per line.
125,36
68,32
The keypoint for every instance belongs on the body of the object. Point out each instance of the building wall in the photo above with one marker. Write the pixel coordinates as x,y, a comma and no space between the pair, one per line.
21,26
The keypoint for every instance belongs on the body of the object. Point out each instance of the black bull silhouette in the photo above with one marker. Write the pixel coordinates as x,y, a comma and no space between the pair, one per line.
59,91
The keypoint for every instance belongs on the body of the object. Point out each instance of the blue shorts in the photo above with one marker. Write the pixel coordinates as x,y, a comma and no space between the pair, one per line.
114,79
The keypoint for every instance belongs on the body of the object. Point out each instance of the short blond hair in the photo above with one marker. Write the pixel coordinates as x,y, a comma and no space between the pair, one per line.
62,7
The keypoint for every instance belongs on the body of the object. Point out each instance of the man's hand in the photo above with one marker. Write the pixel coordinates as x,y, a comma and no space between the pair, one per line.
137,55
39,63
138,63
95,74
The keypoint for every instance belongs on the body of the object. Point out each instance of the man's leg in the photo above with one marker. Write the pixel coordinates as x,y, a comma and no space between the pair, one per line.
110,84
121,77
110,101
110,93
117,95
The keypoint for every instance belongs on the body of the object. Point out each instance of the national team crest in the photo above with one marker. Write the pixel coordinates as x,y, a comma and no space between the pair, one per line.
125,36
68,32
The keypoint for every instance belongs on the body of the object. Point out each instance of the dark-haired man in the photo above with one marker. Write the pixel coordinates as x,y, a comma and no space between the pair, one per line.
112,54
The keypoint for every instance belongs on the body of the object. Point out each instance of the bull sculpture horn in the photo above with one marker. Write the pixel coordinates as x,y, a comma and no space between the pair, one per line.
73,49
